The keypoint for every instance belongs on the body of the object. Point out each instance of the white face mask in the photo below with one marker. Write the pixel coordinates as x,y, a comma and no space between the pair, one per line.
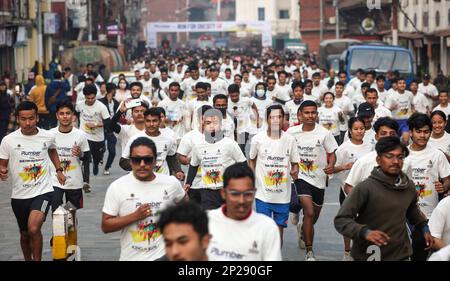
260,93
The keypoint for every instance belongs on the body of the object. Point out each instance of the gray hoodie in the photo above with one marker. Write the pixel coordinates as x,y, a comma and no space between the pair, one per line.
377,204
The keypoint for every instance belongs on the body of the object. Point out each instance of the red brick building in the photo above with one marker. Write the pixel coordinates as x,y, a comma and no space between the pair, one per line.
310,22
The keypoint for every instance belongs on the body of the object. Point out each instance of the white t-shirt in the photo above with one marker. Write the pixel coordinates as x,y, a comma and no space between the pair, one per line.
446,110
95,113
429,89
255,238
165,84
186,87
214,159
283,92
442,144
403,101
71,164
427,167
228,127
421,103
349,152
192,107
126,132
249,86
165,146
329,119
345,104
311,98
219,86
142,240
175,111
319,91
244,113
440,221
441,255
369,137
29,162
313,147
185,148
382,95
262,106
273,165
380,112
121,96
292,109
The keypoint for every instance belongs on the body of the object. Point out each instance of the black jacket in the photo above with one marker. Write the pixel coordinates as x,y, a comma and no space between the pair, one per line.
115,107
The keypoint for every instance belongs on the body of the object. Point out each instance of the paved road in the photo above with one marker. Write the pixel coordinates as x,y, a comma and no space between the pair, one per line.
97,246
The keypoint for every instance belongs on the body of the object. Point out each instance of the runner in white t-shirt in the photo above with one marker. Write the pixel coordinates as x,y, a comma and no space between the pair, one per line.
262,102
73,149
133,202
429,90
293,105
440,224
345,104
443,103
238,233
371,97
420,102
175,110
220,102
27,154
94,116
308,95
214,154
362,168
316,146
185,153
346,155
402,106
274,159
440,139
192,106
331,116
166,161
242,110
430,172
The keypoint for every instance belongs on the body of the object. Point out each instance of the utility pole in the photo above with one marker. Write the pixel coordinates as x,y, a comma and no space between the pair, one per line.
395,4
336,6
90,20
321,20
40,46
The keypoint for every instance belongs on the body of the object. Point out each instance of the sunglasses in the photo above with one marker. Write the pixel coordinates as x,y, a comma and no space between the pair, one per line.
248,195
138,160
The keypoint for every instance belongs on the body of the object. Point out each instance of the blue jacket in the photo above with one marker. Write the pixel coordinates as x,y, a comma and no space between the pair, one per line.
62,96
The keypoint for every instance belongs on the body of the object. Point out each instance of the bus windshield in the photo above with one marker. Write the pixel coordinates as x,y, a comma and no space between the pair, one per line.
380,60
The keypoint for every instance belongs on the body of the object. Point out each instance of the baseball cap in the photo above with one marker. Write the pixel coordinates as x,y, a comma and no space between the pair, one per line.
427,77
365,109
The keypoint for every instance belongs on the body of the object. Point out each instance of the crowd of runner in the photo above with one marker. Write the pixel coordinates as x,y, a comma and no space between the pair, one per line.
222,149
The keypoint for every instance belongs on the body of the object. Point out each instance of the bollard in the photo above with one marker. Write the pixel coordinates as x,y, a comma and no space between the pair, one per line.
72,239
60,232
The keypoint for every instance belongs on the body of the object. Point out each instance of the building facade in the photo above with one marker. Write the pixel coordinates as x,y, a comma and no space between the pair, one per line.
284,15
425,26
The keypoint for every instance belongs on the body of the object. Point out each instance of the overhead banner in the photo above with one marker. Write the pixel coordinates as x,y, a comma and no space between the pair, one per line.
262,27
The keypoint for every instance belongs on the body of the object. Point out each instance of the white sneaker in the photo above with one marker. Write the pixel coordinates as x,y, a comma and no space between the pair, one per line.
347,257
106,172
310,256
301,243
295,218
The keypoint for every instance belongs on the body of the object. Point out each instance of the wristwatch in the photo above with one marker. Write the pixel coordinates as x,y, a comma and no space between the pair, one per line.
60,170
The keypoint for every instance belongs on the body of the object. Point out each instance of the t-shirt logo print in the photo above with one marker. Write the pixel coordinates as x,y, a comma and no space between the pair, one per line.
276,177
214,176
32,173
420,190
65,164
307,165
146,231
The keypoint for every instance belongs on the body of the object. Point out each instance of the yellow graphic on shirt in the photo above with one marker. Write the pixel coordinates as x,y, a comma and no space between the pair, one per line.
421,190
329,126
66,165
32,173
308,165
87,129
146,231
212,177
403,112
276,177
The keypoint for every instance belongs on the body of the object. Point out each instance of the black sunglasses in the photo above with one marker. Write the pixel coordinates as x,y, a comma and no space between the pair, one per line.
147,160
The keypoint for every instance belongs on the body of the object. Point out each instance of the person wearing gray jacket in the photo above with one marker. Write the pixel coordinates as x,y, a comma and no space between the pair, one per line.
375,213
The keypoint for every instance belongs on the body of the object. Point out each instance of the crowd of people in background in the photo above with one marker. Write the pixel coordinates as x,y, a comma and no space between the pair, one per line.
252,139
